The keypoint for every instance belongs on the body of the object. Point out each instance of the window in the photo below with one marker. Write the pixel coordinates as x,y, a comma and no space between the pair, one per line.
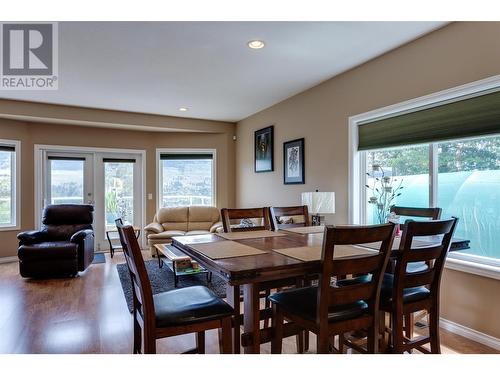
406,172
119,191
469,188
467,185
186,178
9,176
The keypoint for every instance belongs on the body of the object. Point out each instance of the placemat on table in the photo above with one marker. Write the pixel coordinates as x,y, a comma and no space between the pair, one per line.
249,234
306,230
226,249
312,253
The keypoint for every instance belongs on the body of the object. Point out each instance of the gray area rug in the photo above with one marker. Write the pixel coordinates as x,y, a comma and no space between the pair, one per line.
162,280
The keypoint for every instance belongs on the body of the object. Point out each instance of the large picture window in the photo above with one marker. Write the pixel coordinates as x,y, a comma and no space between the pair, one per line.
8,184
467,185
186,178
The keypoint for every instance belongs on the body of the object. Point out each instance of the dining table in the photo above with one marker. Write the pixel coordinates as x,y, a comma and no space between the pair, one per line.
258,261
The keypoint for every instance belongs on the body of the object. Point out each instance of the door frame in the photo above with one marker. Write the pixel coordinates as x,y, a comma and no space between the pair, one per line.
41,149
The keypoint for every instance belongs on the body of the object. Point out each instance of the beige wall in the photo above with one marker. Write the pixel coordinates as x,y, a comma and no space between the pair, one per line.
31,133
454,55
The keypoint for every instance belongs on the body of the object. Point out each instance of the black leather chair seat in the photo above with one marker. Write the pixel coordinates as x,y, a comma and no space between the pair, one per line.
190,305
303,302
48,250
409,294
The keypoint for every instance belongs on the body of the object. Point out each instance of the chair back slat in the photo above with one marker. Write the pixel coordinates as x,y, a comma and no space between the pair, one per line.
424,253
330,296
141,290
229,214
367,265
277,212
416,279
433,213
435,256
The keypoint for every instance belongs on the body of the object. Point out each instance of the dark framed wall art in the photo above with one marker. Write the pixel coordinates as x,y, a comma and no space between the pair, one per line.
264,150
293,162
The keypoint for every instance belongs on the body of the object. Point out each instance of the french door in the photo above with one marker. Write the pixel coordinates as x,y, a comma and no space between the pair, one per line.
111,181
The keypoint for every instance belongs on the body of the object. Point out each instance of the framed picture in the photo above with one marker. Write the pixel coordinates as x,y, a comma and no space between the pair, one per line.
293,162
264,150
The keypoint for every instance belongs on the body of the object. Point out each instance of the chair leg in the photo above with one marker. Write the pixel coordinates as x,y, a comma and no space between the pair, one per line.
383,342
149,343
372,339
434,331
277,322
227,333
200,342
306,340
137,337
397,333
323,343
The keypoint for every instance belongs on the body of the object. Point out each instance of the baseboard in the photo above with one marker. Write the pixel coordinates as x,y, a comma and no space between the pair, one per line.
8,259
471,334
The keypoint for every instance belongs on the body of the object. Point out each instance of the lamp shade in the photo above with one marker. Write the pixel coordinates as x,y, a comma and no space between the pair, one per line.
319,202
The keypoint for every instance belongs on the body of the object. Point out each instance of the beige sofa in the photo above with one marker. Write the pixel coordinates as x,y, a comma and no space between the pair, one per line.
181,221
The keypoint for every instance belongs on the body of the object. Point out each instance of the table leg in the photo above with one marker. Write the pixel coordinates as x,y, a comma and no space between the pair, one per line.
233,299
251,321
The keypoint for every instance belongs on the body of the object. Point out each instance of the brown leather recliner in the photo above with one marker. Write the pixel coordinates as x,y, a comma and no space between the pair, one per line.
62,247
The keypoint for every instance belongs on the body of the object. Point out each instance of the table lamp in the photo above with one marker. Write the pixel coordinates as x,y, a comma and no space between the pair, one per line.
319,202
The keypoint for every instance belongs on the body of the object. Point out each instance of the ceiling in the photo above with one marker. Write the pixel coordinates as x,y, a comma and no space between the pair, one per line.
158,67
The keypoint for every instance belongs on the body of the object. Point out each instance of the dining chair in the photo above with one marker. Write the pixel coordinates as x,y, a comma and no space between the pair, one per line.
404,293
262,213
277,213
231,214
176,312
431,213
330,309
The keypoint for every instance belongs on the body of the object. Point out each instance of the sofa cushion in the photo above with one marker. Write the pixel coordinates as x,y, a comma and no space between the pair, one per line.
202,217
173,218
195,232
166,234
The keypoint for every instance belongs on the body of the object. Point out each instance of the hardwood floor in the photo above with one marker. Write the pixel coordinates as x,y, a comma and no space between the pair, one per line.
88,314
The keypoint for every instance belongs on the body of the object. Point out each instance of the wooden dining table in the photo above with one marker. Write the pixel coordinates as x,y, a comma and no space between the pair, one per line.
254,273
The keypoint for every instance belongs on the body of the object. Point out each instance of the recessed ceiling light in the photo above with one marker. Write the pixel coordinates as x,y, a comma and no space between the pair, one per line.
256,44
183,109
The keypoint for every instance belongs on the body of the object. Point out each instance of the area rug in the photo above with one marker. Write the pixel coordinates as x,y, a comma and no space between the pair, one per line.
162,280
99,258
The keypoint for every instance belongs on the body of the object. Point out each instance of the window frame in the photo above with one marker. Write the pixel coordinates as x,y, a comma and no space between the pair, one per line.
159,170
488,267
16,188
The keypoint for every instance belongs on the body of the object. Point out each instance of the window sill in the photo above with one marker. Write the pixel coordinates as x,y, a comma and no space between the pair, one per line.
485,270
9,228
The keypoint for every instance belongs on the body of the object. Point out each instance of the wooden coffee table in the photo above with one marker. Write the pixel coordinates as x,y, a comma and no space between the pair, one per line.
176,257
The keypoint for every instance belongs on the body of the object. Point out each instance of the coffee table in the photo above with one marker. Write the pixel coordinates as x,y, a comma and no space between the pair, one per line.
175,257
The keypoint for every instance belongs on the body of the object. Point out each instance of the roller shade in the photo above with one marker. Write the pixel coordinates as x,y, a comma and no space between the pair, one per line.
111,160
186,156
7,148
76,158
461,119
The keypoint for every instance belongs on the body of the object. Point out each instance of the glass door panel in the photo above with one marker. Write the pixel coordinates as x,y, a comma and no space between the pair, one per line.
119,191
69,179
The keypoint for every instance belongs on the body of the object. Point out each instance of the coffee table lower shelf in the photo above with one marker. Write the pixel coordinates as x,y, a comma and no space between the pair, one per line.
172,254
